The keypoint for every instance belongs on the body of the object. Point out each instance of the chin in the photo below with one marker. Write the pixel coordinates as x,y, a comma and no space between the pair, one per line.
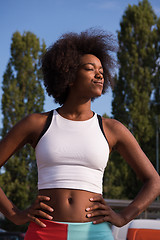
96,96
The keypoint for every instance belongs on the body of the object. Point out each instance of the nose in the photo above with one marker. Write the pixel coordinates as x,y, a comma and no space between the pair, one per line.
98,75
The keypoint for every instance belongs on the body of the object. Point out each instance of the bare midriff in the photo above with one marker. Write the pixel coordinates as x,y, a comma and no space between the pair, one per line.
69,205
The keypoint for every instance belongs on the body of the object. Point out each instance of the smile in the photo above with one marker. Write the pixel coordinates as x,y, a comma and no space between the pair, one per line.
97,82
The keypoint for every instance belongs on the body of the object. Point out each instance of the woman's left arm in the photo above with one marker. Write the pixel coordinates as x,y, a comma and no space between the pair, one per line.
123,141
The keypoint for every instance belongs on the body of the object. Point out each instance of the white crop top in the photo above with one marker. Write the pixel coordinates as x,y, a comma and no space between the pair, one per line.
72,154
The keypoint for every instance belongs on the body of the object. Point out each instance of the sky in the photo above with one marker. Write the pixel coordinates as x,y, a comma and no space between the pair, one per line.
49,19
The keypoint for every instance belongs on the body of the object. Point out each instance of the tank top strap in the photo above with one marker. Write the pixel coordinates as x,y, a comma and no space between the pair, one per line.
47,124
101,126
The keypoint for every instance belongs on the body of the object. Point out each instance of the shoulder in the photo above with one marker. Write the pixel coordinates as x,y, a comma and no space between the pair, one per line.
114,125
118,133
25,131
35,124
31,121
35,118
29,128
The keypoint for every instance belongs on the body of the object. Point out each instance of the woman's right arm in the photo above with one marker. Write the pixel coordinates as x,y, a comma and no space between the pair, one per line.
25,131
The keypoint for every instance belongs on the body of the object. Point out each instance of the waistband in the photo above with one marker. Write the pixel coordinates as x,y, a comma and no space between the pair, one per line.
69,231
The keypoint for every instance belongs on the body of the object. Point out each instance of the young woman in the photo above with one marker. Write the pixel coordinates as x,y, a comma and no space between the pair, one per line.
72,146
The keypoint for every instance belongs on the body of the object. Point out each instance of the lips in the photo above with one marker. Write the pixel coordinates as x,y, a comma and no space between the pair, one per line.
98,82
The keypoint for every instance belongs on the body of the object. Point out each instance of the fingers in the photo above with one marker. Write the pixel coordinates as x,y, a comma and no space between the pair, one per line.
101,220
97,213
98,198
98,203
96,206
39,213
102,211
38,222
41,198
36,211
42,205
104,214
39,204
99,209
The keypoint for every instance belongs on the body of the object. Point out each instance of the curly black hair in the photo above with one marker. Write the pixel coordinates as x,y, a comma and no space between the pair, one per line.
61,61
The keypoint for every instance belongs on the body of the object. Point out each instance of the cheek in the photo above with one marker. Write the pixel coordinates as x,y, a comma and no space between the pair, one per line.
83,74
83,80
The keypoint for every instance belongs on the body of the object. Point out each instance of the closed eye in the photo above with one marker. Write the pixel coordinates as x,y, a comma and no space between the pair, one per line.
89,69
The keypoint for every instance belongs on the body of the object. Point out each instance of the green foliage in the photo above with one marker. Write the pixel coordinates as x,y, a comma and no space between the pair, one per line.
105,115
119,178
22,94
137,64
137,89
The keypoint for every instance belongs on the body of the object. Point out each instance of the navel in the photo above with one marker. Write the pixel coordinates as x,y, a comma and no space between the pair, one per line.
70,200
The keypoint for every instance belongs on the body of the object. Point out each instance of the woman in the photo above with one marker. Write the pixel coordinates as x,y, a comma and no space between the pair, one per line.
72,146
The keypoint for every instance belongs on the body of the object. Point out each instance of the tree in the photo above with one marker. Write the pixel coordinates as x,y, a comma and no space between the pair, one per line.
156,83
134,87
22,94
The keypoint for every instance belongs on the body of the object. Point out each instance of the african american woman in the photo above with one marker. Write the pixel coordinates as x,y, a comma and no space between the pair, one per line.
72,146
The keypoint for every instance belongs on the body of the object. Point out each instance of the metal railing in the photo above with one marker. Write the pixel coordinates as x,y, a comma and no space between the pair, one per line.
152,212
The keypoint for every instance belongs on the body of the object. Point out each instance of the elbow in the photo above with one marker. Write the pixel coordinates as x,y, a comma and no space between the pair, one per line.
153,184
156,185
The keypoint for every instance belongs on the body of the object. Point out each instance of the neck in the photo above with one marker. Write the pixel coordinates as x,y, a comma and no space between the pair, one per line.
76,109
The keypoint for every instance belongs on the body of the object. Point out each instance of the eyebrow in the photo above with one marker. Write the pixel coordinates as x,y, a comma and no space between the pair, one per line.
93,64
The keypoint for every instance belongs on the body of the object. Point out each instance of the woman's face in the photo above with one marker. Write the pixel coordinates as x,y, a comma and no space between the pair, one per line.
89,79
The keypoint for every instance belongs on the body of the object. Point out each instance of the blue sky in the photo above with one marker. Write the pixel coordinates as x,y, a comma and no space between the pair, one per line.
48,19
